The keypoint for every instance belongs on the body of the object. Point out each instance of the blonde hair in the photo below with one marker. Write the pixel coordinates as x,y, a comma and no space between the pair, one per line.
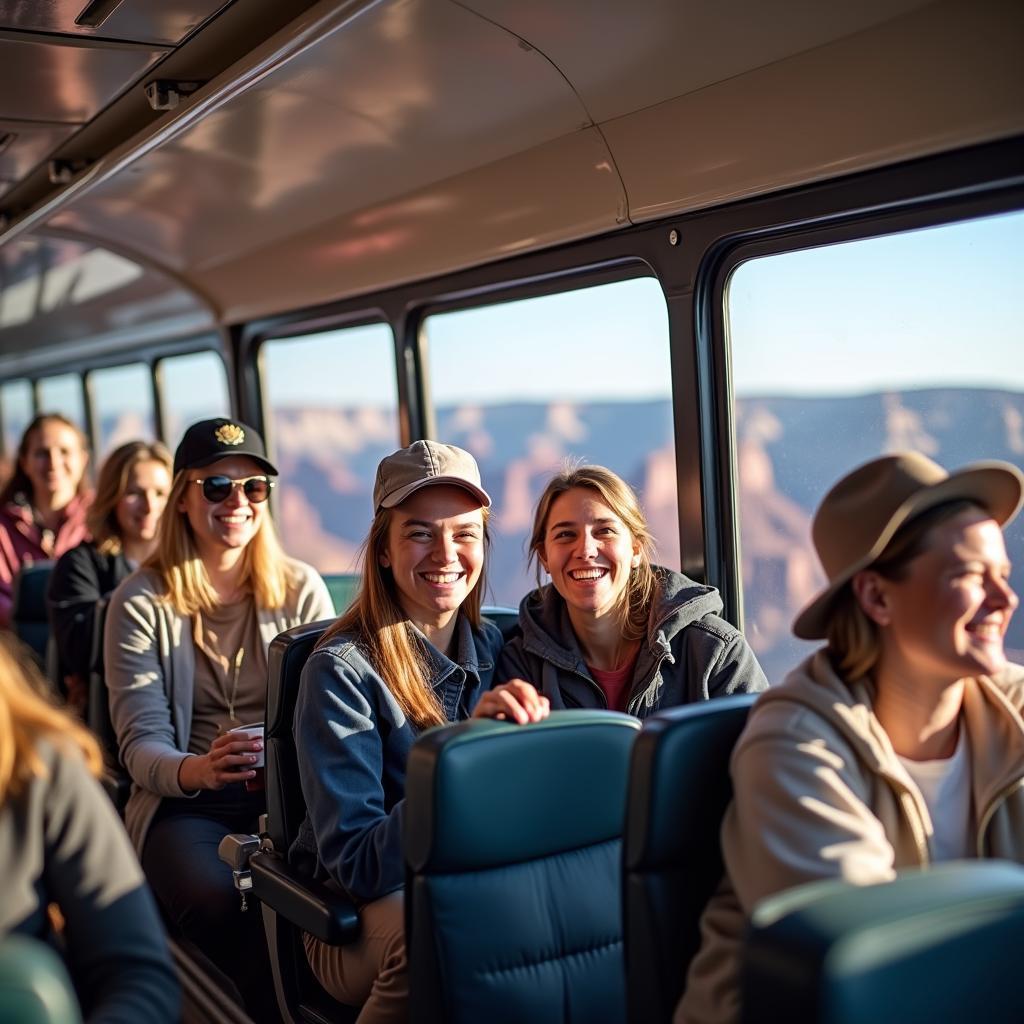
111,488
19,482
384,630
854,639
622,500
266,573
27,716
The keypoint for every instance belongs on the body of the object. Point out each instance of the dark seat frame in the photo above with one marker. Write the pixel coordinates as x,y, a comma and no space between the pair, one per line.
679,790
293,903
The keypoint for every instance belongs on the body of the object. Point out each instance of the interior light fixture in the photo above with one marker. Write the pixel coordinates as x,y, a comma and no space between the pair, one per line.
95,12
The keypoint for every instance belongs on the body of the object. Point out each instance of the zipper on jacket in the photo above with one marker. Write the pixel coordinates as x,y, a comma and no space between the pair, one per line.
908,803
633,701
994,804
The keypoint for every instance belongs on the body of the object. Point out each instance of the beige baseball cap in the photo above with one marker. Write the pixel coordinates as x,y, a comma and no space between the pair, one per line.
421,464
861,514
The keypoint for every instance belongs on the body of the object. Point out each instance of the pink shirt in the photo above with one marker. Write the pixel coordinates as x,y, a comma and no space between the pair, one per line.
615,683
22,542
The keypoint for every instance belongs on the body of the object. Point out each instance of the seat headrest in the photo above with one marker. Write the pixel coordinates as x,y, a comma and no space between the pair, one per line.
485,792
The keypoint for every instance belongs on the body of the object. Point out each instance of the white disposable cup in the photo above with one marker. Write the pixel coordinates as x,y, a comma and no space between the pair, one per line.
252,732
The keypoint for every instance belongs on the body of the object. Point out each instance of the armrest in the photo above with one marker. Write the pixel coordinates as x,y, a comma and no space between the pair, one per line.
304,901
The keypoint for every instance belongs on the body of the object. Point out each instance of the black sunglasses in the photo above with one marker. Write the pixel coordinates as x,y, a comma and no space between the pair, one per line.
217,488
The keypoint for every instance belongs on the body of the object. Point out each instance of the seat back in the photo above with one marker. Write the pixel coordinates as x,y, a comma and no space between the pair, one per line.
342,586
34,984
117,781
679,788
936,945
300,997
512,838
286,806
506,619
29,613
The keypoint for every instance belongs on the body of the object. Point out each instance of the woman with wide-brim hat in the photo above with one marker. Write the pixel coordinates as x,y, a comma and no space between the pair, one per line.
901,741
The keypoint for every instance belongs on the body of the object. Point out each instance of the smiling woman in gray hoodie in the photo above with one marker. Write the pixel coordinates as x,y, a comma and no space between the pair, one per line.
611,629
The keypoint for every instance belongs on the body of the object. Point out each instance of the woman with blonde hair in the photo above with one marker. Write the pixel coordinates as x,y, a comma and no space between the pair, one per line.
123,520
900,742
612,629
62,844
410,653
43,506
186,662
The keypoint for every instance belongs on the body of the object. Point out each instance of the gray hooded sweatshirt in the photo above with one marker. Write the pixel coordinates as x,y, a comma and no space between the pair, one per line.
689,653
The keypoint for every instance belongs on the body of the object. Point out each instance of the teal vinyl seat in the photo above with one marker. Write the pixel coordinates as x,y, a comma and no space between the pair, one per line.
940,945
34,984
679,789
506,619
30,615
512,838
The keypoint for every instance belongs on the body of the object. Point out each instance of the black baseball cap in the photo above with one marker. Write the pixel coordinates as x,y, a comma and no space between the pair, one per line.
209,440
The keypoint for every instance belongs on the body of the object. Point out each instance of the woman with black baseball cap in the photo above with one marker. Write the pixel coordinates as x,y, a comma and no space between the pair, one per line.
186,663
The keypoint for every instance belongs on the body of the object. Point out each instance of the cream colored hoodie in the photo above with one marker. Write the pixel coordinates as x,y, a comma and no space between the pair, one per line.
820,793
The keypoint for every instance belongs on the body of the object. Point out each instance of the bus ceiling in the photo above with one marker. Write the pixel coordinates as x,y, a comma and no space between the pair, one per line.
254,157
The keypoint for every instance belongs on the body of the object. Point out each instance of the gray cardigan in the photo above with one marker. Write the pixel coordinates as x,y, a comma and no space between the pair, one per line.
150,667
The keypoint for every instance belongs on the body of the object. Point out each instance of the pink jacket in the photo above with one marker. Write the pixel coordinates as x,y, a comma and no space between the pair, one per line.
22,542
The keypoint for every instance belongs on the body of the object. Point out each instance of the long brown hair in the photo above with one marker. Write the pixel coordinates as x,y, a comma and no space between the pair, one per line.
384,630
111,486
854,641
622,500
26,717
19,482
266,573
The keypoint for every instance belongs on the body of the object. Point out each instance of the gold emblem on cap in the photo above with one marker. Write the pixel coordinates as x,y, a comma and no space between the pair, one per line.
230,433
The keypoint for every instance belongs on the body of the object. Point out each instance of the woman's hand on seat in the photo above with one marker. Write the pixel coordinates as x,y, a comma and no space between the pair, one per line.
515,701
231,759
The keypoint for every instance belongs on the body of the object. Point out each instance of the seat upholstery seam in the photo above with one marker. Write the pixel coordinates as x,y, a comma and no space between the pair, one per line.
554,958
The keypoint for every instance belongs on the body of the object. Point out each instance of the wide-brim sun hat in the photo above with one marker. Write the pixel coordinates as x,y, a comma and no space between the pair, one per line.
423,464
861,514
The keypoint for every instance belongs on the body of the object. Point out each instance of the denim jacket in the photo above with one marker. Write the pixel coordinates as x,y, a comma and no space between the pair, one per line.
353,741
689,654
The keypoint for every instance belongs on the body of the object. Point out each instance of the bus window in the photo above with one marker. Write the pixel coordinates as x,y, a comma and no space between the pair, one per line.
192,387
122,405
846,352
63,394
331,408
527,385
16,408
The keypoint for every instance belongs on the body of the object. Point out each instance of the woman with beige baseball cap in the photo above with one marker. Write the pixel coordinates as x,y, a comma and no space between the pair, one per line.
901,741
411,652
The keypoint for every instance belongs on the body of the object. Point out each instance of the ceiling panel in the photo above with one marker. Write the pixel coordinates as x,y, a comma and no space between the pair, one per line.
29,144
49,80
410,93
668,48
163,22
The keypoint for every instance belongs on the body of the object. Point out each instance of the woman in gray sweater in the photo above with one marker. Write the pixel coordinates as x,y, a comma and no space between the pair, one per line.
186,662
61,844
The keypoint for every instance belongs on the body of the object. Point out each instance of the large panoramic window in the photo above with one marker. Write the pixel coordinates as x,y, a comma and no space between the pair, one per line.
192,387
330,404
846,352
529,385
122,405
63,394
